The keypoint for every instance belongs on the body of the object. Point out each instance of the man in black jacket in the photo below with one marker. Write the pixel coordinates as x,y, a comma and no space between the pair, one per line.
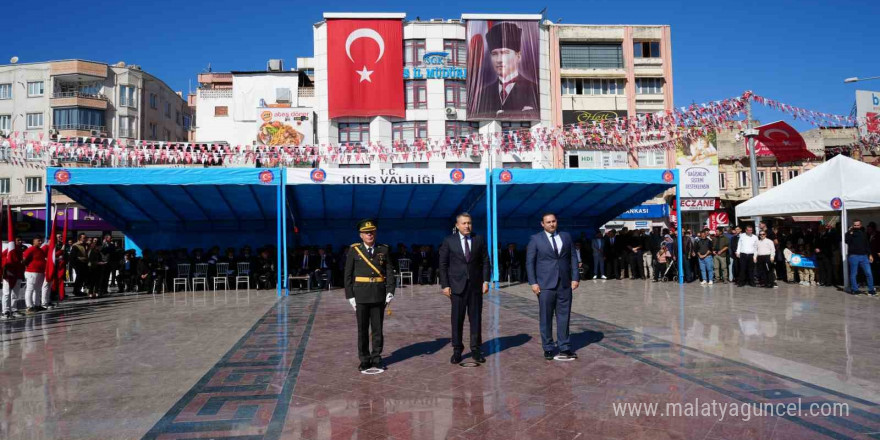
859,256
464,277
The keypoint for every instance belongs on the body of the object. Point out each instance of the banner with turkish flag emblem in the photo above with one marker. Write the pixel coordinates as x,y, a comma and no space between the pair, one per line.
783,141
365,68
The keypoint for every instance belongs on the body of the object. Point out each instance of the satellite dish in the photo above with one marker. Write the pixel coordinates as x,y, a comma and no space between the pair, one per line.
13,60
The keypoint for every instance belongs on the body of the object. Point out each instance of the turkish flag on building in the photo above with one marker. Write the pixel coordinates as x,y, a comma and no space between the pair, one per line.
783,141
365,68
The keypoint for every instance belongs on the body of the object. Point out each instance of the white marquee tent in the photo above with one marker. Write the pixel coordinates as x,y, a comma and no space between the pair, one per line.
839,185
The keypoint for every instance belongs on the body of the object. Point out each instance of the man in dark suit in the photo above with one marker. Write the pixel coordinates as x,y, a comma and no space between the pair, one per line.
551,265
512,95
425,264
369,287
612,247
464,277
324,263
511,263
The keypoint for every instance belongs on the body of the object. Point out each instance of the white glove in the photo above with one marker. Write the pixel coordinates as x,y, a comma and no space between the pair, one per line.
388,298
353,304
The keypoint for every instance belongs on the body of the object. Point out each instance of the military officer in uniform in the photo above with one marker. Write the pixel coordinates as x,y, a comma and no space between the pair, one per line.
369,287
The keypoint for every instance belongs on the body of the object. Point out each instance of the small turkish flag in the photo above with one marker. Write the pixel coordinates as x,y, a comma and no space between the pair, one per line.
783,141
365,68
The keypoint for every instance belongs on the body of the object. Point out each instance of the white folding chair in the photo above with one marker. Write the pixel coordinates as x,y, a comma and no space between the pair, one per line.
221,277
200,276
243,275
405,271
182,277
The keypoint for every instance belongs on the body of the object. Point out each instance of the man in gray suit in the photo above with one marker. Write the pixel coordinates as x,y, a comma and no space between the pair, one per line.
551,265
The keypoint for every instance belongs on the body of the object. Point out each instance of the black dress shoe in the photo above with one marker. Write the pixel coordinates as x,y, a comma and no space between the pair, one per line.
570,354
456,358
366,365
548,355
477,355
377,363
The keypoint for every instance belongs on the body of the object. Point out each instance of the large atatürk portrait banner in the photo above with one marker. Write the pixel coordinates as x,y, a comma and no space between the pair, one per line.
503,70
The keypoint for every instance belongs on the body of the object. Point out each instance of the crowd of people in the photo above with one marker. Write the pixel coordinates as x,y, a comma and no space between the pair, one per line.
725,255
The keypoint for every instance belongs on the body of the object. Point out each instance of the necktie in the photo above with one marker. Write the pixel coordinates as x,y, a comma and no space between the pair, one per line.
467,250
370,251
305,261
553,240
323,263
504,90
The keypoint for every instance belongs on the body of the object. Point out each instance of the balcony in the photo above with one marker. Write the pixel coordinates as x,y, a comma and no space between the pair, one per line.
305,92
72,130
215,93
78,99
78,68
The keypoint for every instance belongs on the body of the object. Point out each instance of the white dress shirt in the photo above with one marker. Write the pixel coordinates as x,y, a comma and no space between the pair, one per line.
766,247
557,238
748,244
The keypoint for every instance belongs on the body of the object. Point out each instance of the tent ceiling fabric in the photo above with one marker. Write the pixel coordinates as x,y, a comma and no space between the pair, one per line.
173,207
855,183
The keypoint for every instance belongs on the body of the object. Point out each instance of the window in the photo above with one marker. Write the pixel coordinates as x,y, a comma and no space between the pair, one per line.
649,86
127,126
5,122
177,116
459,129
168,110
167,135
34,120
413,52
776,178
417,94
33,184
742,180
154,104
793,173
77,119
457,50
591,56
6,91
595,86
762,179
410,165
456,94
409,131
4,185
452,165
515,126
354,165
516,165
221,110
652,158
187,122
153,130
35,88
722,181
354,132
126,96
646,49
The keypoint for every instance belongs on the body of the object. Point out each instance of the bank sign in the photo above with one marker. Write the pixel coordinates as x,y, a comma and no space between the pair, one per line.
868,111
658,211
435,68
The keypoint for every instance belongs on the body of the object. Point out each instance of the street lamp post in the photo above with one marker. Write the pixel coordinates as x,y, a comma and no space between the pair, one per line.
853,79
750,134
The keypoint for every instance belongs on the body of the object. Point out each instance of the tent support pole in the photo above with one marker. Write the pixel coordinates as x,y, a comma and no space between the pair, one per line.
489,220
278,243
48,209
844,221
678,230
283,214
494,192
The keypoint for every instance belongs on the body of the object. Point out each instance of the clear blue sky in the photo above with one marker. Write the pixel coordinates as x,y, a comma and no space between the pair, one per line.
798,52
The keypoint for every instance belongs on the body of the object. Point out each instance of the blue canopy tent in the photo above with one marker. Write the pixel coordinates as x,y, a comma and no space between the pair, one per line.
170,208
581,199
410,205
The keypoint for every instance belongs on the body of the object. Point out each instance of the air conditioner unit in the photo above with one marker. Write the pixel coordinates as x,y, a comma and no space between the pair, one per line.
95,133
451,112
53,132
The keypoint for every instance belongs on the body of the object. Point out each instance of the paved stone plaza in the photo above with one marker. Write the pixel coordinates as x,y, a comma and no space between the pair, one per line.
245,365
